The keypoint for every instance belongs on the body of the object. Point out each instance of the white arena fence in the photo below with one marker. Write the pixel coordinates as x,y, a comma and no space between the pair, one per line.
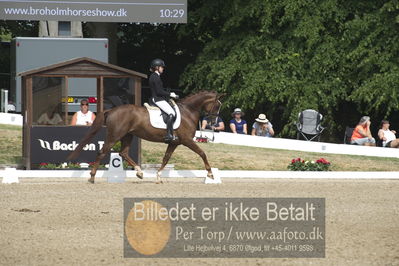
298,145
271,143
37,174
11,119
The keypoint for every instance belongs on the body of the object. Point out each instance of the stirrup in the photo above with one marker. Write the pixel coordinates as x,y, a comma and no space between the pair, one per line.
169,139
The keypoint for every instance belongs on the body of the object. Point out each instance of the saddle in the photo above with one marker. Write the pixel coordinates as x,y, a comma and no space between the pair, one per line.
158,117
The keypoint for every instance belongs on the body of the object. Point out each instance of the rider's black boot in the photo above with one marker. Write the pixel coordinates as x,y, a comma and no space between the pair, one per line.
169,130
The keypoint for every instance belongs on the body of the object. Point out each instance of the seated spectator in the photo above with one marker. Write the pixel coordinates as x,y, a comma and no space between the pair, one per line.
387,136
214,123
361,134
262,127
238,125
51,117
84,117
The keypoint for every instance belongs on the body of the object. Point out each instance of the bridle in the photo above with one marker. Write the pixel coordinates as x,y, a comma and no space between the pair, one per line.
211,114
213,107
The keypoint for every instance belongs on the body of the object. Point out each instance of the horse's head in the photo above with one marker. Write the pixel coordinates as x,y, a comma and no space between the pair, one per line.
213,104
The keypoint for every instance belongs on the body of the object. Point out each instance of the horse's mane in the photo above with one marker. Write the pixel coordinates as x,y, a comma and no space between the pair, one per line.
195,94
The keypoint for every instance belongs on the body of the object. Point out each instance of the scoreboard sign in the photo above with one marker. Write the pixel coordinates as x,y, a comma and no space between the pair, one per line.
152,11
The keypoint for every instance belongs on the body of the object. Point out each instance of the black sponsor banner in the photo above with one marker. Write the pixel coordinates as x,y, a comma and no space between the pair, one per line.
53,144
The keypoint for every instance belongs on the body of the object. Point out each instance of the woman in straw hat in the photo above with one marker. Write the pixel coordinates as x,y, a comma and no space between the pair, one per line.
262,127
238,125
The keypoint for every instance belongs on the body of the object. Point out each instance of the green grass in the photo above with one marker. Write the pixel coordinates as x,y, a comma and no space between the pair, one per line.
10,145
222,156
10,127
232,157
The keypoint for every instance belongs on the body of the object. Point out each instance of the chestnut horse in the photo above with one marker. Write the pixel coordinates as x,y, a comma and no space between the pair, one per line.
124,121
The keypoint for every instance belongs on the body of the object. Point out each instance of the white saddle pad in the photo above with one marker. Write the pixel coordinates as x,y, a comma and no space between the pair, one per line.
156,119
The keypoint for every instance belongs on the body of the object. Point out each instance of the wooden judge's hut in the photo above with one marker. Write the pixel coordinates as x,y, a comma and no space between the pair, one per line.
47,134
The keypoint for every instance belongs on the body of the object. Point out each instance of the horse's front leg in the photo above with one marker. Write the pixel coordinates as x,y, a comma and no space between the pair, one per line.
195,148
169,151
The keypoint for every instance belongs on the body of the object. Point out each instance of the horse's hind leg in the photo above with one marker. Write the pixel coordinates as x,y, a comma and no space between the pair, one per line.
126,141
104,151
171,148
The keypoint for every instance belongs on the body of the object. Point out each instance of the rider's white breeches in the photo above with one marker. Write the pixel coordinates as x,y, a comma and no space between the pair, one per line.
166,107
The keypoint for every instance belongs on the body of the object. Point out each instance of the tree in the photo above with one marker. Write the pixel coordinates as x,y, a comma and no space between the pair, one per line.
9,30
280,57
107,30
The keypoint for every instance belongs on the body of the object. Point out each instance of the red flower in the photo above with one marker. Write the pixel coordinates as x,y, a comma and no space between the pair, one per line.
296,160
323,161
43,164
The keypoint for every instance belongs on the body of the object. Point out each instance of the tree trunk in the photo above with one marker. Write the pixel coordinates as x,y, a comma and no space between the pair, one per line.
106,30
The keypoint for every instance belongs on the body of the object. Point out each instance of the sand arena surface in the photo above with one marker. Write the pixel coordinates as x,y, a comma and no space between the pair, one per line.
71,222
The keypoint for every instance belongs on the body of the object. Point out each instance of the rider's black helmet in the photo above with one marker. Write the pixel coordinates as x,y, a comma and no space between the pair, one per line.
157,62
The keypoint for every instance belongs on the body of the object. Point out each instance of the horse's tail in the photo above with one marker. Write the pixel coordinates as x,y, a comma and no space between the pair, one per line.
95,127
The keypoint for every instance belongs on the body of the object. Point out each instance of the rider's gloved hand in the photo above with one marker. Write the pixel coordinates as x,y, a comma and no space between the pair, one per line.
174,95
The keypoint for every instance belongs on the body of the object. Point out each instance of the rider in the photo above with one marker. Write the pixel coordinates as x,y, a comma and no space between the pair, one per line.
161,96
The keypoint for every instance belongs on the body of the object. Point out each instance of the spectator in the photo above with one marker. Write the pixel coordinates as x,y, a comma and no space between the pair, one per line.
362,135
51,117
262,127
214,123
238,125
387,136
84,117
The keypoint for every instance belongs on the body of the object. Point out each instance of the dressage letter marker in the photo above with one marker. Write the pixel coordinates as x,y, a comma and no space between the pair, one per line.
10,176
115,173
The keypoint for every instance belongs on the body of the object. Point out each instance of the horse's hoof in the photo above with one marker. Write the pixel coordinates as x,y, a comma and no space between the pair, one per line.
140,175
159,182
210,176
91,180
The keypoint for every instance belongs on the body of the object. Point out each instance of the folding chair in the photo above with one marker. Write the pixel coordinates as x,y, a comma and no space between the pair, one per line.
309,125
348,135
204,137
379,142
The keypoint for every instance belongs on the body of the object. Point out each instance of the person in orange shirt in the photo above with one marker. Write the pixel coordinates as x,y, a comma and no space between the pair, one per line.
362,135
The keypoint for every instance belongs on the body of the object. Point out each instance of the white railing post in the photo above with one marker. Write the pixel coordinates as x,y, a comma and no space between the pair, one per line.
4,101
